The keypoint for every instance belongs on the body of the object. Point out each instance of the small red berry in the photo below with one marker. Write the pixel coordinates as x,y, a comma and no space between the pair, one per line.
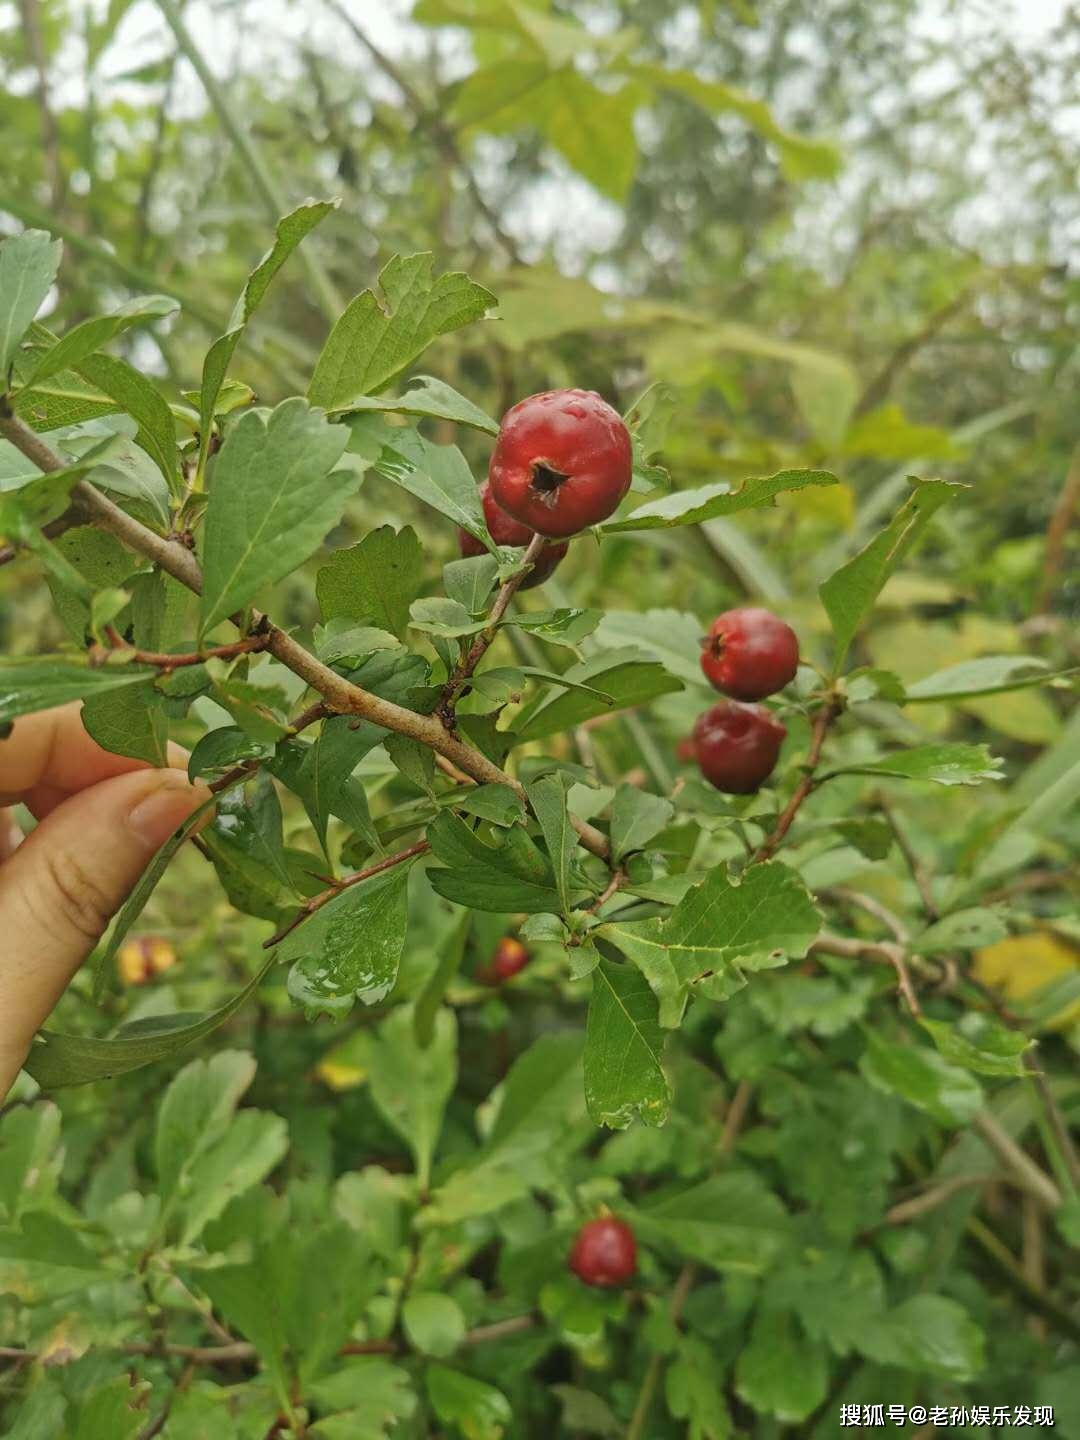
562,461
736,745
505,530
750,653
510,957
604,1253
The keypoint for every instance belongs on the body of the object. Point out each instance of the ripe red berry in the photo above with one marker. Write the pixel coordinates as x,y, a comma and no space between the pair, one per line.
510,957
604,1253
505,530
736,745
562,461
750,653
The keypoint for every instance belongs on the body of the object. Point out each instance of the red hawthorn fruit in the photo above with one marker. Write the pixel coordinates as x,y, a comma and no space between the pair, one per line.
562,461
604,1252
750,653
505,530
736,745
510,957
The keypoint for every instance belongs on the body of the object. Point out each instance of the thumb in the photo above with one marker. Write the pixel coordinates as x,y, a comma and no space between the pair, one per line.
61,887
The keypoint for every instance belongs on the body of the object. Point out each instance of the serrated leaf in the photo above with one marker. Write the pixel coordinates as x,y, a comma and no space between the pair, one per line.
431,399
671,636
140,398
624,1044
439,615
290,231
730,1222
625,675
476,1410
692,507
636,817
351,947
929,1334
944,764
850,592
43,682
438,475
274,497
780,1372
371,345
28,266
84,339
497,803
923,1078
979,1044
375,580
717,931
131,722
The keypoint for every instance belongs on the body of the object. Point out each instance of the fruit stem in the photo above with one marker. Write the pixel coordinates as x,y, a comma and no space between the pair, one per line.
825,716
478,649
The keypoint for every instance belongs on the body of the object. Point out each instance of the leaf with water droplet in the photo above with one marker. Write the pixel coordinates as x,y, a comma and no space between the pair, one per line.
351,947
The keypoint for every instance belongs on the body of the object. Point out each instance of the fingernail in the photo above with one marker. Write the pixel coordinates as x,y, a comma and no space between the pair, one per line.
154,818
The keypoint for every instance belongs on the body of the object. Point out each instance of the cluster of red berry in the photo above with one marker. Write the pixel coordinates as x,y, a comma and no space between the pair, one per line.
562,462
747,655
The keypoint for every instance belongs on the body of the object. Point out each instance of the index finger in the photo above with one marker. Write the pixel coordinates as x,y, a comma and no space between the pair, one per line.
52,751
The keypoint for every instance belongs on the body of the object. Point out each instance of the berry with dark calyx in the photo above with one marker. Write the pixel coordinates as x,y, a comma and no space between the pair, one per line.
510,957
562,461
736,746
505,530
750,653
604,1252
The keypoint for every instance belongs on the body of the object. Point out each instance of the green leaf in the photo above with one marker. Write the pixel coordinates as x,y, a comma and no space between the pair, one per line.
626,675
246,844
673,637
139,398
439,615
274,497
45,681
451,952
558,627
411,1083
692,507
351,947
91,335
375,581
636,817
497,803
929,1334
373,1395
693,1392
342,640
624,1043
31,1158
923,1078
434,1324
430,399
58,1060
371,345
129,722
28,266
717,931
220,750
547,797
147,883
253,1146
989,675
115,1410
476,1409
780,1372
195,1112
979,1044
319,772
963,930
849,594
438,475
291,230
944,764
469,582
730,1222
511,874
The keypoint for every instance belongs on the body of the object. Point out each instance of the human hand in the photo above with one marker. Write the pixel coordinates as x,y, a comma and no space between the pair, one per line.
101,818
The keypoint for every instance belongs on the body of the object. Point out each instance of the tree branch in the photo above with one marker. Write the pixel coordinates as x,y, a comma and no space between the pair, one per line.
333,891
339,695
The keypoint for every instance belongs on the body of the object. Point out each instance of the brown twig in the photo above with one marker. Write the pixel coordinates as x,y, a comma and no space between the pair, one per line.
478,649
1035,1181
883,952
920,1205
826,715
324,897
165,662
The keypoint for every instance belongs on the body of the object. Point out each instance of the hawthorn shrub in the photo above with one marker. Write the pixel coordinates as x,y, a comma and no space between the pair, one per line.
635,1104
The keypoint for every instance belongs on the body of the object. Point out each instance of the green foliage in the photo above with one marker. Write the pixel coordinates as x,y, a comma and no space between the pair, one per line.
831,1090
